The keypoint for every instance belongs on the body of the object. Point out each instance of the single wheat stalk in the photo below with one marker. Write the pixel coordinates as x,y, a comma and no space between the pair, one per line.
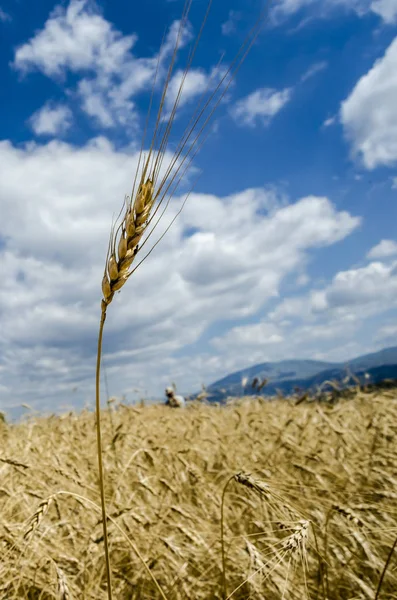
141,208
258,486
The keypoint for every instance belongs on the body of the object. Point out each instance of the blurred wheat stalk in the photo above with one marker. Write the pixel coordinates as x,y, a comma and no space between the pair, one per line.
150,196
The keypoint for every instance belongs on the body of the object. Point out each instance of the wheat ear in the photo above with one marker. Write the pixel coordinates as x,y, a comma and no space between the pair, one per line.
252,483
63,587
348,514
37,517
131,230
296,542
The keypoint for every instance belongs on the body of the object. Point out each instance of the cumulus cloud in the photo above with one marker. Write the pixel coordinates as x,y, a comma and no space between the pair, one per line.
385,9
369,116
335,322
195,83
362,286
78,39
73,39
268,341
261,105
372,289
51,120
54,235
384,249
95,105
249,336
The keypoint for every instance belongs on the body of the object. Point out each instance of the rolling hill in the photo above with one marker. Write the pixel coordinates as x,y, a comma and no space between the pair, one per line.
287,375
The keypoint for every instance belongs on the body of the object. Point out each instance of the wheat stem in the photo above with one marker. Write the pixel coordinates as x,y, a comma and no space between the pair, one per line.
99,450
224,591
385,569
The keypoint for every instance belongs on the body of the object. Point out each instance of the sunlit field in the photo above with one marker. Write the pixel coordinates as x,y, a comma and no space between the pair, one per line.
308,495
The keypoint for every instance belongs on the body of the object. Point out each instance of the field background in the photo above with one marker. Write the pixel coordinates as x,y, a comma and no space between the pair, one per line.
332,465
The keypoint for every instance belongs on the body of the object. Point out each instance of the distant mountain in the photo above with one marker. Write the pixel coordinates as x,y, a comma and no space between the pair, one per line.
387,356
287,375
282,371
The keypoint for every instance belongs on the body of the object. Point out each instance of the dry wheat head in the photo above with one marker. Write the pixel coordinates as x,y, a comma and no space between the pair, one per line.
37,517
127,238
63,588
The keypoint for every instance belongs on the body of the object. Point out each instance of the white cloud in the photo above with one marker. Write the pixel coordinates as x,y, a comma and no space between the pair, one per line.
385,9
196,82
4,16
261,105
302,280
314,69
229,26
367,285
334,322
74,39
51,120
249,336
319,339
372,288
79,40
387,333
286,8
384,249
330,121
50,293
95,104
369,114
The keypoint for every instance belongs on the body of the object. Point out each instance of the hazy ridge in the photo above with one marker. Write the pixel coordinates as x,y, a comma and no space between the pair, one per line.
286,375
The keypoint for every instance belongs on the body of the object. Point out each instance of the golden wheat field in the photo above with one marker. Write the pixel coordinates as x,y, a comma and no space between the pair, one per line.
308,496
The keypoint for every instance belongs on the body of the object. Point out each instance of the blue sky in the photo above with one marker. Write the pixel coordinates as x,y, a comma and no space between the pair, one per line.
287,248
